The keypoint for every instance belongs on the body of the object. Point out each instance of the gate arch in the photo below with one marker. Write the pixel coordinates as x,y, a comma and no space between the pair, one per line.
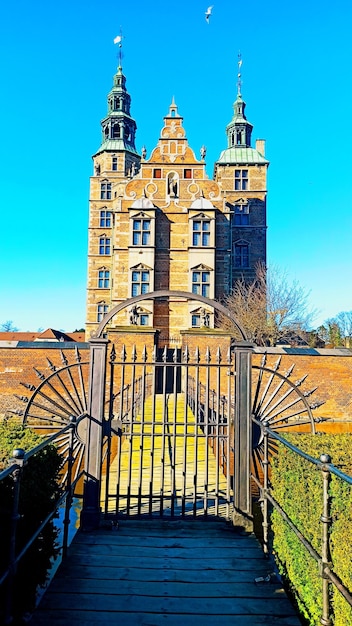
162,294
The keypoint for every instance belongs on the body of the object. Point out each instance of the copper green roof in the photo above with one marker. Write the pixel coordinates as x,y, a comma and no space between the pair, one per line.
241,155
116,145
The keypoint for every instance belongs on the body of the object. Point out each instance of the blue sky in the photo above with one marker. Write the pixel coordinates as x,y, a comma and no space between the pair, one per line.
58,63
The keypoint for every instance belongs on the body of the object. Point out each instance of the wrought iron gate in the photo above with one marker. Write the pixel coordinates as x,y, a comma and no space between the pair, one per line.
170,434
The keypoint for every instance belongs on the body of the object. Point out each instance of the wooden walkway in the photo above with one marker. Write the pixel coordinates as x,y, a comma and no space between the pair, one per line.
168,465
154,572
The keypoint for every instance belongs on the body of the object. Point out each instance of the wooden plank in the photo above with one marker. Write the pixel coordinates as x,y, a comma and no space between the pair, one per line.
105,618
73,571
200,589
169,604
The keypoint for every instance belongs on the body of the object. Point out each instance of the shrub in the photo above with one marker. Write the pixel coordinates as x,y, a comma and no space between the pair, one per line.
38,492
297,486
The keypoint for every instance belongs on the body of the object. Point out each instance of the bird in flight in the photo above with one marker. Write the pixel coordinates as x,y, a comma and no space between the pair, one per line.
208,13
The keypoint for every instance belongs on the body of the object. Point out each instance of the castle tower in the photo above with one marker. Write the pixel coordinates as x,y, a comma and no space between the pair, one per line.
115,163
241,171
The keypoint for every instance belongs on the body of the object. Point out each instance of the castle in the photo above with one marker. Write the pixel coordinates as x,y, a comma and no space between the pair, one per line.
160,224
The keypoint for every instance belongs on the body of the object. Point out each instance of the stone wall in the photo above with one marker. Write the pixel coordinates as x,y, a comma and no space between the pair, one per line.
328,370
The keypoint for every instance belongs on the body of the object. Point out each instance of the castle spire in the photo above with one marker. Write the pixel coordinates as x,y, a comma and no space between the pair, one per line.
239,130
118,127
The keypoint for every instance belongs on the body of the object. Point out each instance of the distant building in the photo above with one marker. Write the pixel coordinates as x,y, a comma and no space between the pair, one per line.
160,223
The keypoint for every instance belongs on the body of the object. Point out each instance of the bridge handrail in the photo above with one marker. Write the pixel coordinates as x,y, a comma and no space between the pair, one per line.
15,469
327,468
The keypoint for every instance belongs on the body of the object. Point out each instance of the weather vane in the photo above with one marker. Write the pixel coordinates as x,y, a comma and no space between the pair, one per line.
118,41
239,81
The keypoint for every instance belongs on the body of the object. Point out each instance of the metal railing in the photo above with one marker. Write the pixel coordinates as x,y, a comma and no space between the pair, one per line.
326,566
70,478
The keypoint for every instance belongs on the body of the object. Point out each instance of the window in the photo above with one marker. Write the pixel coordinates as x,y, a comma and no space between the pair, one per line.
241,180
201,232
201,283
105,191
196,321
241,215
144,319
187,173
157,173
141,232
140,282
241,254
105,219
114,164
102,309
103,279
104,245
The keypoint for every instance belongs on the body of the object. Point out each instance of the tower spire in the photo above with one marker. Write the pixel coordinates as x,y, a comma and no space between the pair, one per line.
239,80
118,41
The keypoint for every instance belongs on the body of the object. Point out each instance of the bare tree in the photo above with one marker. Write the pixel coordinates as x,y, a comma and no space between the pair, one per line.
269,309
337,331
8,327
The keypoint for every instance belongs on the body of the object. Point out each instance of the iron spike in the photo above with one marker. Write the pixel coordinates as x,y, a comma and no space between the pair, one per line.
52,367
218,355
277,364
229,355
263,361
186,354
63,358
289,371
16,411
144,354
207,355
123,354
39,374
28,386
301,380
197,355
22,398
309,392
165,355
154,354
78,355
134,353
315,405
174,356
113,353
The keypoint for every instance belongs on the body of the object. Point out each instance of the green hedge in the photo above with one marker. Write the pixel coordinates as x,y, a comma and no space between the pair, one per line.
297,486
38,493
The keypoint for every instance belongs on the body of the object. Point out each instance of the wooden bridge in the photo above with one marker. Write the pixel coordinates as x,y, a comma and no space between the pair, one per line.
199,569
154,572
